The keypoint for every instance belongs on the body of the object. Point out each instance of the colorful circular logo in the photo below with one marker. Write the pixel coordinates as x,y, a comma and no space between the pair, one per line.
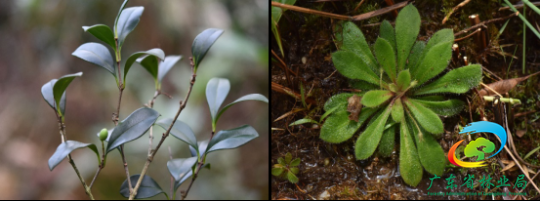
471,150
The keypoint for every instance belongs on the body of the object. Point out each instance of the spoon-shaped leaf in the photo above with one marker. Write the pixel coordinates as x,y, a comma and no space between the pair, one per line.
410,167
444,107
388,33
103,33
97,54
458,81
407,29
148,188
179,130
386,56
166,65
338,127
397,110
66,148
202,44
425,117
435,61
387,142
180,167
60,87
47,93
127,21
230,139
403,80
216,92
254,97
133,57
430,152
375,98
351,65
350,38
370,138
133,127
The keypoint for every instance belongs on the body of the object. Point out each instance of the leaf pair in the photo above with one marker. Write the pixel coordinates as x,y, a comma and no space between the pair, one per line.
216,92
54,92
158,68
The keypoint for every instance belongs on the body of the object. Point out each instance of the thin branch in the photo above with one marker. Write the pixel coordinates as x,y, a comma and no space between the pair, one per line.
199,166
454,10
381,11
484,23
467,36
358,6
166,134
172,178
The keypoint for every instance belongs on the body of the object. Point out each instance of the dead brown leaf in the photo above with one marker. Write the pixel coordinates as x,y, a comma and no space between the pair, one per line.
510,166
503,86
354,107
520,133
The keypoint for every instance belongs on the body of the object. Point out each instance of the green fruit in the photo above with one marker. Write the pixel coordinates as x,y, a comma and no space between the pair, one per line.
103,134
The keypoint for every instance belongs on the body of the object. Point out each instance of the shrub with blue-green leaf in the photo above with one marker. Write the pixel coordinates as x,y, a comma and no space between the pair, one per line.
402,83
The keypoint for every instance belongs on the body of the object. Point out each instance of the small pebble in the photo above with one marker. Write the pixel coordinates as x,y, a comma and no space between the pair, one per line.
304,60
324,195
326,162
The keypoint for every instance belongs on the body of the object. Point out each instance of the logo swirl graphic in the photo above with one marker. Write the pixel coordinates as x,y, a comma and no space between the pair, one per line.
478,127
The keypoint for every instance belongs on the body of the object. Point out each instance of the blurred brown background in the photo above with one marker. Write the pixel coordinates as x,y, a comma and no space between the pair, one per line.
36,42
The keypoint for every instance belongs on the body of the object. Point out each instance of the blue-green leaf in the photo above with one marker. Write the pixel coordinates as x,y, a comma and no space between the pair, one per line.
230,139
66,148
133,127
97,54
133,57
148,187
253,97
179,130
47,93
118,16
103,33
181,167
166,65
127,21
60,87
216,92
202,44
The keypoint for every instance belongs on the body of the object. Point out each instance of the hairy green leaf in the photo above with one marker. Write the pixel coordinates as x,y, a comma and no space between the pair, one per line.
425,117
148,188
403,80
416,55
202,44
97,54
292,178
407,28
375,98
103,33
180,130
133,127
295,162
277,171
288,158
386,57
369,139
337,128
48,95
350,65
363,85
410,167
387,142
133,57
435,61
127,21
253,97
387,32
443,108
339,101
64,149
233,138
458,81
397,110
353,40
430,152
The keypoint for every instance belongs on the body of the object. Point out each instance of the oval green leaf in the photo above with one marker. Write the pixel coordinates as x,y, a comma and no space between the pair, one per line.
179,130
410,167
458,81
386,57
387,32
103,33
166,65
202,44
216,92
407,29
416,55
430,151
66,148
370,138
443,108
350,65
338,128
181,167
292,178
435,61
127,21
397,110
47,93
253,97
133,57
350,38
133,127
97,54
230,139
150,63
387,142
425,117
118,16
277,171
60,87
403,80
148,187
375,98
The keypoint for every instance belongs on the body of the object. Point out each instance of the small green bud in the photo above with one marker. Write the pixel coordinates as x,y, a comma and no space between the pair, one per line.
103,134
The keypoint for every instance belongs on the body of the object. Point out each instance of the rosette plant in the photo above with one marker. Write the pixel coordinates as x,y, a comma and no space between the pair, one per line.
402,85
